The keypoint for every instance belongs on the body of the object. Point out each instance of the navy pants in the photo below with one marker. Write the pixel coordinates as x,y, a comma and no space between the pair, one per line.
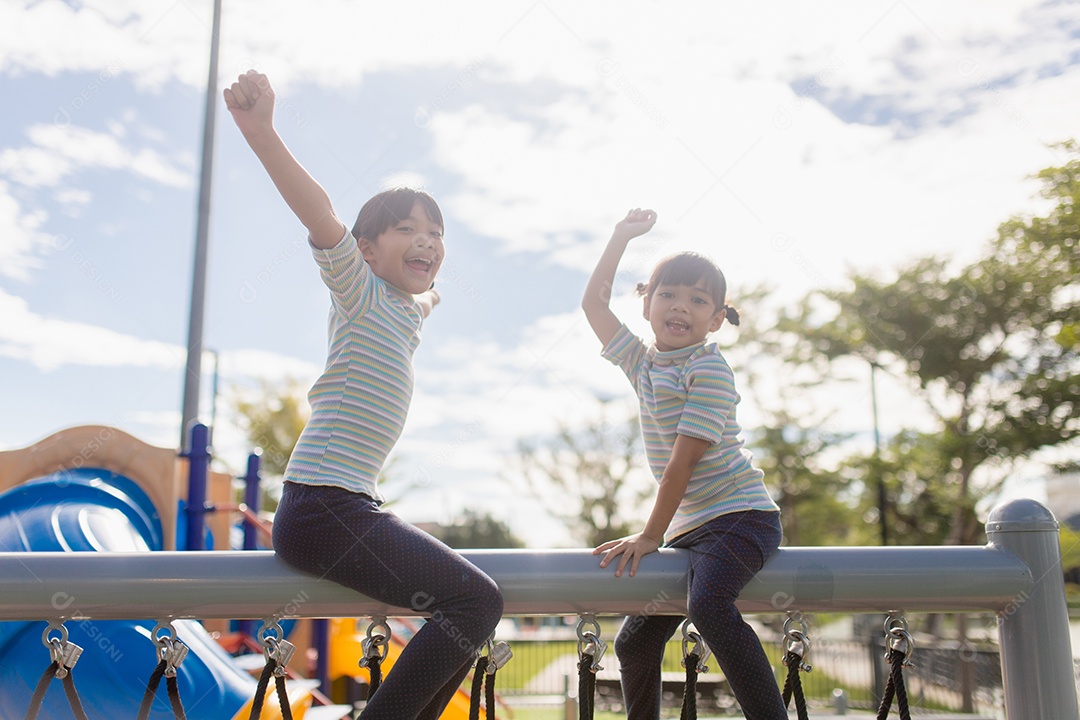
345,537
725,554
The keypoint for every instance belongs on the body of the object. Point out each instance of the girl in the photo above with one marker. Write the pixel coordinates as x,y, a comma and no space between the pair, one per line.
329,522
711,499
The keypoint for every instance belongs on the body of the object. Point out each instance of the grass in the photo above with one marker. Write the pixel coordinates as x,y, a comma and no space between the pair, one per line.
529,659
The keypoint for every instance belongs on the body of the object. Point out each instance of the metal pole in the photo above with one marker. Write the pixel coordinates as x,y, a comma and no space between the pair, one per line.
320,640
214,395
251,533
251,499
198,275
198,456
882,502
1036,653
257,584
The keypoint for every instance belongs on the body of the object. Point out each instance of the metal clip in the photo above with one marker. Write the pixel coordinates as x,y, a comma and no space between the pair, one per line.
899,639
377,644
173,654
65,654
798,642
281,652
170,649
589,642
692,637
276,648
498,655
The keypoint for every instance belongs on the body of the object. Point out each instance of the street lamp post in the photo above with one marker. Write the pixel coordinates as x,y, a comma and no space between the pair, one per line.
193,371
882,501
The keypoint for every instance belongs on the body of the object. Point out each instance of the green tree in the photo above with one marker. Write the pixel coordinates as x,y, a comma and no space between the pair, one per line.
815,508
991,348
475,530
920,507
793,435
272,417
593,480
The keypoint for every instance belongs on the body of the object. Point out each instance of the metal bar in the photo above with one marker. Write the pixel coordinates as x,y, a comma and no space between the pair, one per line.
198,455
1036,652
252,499
255,584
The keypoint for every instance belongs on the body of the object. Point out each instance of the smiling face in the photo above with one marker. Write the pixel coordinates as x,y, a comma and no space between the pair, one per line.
682,315
408,253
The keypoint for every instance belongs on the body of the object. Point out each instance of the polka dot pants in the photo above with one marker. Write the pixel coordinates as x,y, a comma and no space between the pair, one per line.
725,554
347,538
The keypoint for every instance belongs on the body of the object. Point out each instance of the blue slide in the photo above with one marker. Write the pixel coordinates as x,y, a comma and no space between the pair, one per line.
96,510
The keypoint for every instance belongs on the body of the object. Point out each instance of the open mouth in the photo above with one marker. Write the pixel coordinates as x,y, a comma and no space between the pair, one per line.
677,326
420,265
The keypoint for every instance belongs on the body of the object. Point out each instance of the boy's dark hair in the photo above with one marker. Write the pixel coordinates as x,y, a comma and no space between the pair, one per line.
391,206
688,268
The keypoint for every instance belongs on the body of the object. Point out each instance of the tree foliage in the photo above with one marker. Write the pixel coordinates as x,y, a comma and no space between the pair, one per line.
793,436
815,508
272,417
475,530
593,480
991,347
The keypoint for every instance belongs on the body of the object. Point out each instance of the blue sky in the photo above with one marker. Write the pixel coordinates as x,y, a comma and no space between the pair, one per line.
791,141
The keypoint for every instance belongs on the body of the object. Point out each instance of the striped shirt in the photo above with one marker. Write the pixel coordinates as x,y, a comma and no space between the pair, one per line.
359,403
691,391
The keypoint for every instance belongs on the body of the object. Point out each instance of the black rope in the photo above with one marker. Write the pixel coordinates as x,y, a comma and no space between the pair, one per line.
689,698
69,689
173,688
260,689
895,686
260,692
793,684
477,688
375,670
586,687
489,696
283,697
73,697
39,691
151,689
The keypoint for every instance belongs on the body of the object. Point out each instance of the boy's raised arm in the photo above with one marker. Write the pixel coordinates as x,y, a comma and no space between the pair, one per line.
251,102
597,298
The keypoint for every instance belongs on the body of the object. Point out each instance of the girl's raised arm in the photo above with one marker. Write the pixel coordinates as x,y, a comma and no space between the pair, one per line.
597,298
251,102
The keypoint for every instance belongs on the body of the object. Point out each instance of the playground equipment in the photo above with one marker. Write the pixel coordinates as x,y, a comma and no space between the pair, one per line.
86,509
96,489
1017,575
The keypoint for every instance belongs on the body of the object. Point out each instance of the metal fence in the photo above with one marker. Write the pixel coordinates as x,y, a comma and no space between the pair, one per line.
849,672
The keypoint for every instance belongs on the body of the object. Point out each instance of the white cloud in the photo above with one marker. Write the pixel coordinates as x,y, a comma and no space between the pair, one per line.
49,343
59,151
19,233
150,41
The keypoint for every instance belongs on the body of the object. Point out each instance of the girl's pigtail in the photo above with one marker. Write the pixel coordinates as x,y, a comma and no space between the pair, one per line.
642,289
732,315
